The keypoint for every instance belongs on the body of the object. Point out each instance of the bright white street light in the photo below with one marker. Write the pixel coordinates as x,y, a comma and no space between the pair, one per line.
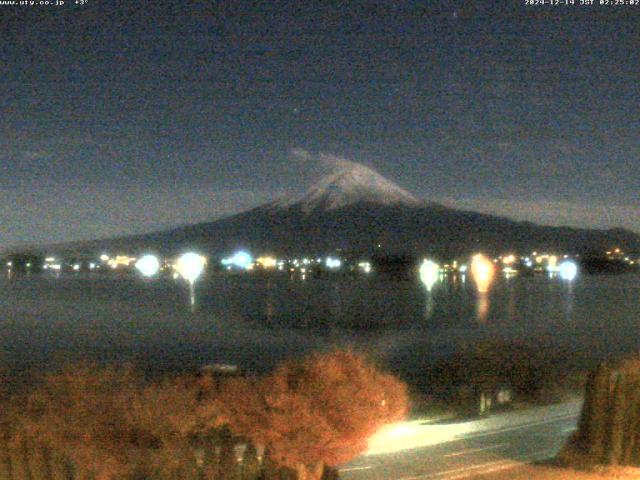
148,265
190,266
240,259
333,263
429,272
568,270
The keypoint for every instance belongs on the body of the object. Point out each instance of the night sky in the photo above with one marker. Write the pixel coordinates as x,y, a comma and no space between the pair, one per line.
119,118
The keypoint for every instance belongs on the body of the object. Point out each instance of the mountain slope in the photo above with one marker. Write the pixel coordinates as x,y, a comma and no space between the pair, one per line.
356,209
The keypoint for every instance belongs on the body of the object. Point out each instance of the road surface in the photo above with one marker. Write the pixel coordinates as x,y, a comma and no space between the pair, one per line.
423,451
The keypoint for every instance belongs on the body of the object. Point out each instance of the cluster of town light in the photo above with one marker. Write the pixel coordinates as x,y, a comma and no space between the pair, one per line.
483,270
239,259
365,267
149,265
267,262
617,254
54,264
333,263
303,265
242,260
51,263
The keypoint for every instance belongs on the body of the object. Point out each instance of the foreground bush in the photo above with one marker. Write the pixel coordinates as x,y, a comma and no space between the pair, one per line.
314,412
109,423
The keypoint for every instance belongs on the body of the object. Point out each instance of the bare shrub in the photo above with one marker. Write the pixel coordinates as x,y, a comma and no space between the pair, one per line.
108,422
313,412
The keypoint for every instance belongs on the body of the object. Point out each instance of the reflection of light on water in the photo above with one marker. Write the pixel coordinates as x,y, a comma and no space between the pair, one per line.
482,307
336,301
568,271
267,262
511,306
270,304
192,295
569,301
429,275
430,304
482,271
509,272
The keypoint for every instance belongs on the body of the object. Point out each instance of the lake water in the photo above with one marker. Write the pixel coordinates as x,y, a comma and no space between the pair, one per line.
256,321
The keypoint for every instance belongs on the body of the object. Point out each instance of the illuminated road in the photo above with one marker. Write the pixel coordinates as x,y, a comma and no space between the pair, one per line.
414,451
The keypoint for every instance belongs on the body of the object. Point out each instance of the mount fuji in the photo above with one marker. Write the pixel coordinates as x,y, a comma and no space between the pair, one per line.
353,184
357,210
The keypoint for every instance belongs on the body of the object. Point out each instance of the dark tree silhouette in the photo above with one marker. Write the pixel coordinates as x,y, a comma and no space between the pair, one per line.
609,427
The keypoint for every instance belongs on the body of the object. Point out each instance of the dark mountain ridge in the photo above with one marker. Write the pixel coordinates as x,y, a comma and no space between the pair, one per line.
354,210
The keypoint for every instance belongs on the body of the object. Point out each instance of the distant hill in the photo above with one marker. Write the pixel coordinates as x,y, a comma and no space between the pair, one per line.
355,209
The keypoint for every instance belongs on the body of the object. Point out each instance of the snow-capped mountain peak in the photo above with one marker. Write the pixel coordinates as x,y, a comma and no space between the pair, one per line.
353,183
